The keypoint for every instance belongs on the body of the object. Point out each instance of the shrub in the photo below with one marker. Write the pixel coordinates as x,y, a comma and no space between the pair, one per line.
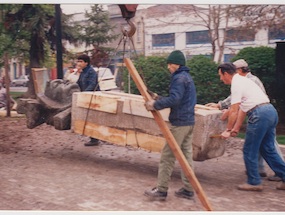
156,76
208,85
154,73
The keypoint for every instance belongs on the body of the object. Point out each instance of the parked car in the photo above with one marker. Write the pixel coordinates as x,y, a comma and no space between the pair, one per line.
21,81
106,78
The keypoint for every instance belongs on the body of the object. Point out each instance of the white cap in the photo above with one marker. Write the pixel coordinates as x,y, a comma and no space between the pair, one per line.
240,63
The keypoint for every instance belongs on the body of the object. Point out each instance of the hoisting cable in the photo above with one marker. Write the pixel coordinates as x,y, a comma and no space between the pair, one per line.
128,37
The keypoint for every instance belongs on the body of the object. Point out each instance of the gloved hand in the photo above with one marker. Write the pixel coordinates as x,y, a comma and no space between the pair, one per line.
149,105
213,105
153,95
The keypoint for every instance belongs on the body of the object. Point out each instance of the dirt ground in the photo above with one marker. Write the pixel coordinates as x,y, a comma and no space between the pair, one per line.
48,169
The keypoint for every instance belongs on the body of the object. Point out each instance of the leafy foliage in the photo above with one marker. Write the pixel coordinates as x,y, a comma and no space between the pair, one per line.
97,31
97,27
154,73
13,44
32,27
208,85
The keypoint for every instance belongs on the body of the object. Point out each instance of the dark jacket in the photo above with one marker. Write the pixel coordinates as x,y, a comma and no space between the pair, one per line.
88,79
181,100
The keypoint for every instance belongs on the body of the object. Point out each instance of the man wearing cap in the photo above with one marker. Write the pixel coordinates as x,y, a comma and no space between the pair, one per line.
243,70
181,101
248,100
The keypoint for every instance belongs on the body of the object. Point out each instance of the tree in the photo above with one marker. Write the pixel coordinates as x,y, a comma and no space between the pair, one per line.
97,32
9,46
36,24
15,44
245,21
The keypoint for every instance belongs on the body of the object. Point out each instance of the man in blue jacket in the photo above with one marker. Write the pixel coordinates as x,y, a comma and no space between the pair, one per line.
87,81
181,101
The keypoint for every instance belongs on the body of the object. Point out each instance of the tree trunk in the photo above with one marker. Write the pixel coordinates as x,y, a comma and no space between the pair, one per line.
7,83
36,57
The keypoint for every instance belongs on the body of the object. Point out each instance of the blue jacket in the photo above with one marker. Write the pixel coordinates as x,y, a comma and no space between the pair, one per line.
88,79
181,100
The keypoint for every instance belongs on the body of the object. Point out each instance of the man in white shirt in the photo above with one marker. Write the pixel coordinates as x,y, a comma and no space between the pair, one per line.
243,70
248,99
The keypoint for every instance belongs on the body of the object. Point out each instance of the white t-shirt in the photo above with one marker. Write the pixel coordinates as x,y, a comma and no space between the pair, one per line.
246,92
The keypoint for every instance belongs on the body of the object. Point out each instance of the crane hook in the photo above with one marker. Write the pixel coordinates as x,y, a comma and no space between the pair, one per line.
131,32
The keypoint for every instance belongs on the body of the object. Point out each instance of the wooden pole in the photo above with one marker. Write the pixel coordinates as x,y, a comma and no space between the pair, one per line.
169,137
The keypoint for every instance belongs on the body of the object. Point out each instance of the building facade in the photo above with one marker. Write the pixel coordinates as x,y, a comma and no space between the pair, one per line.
164,28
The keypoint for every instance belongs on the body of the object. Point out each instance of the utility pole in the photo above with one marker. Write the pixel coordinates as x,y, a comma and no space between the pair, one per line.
58,41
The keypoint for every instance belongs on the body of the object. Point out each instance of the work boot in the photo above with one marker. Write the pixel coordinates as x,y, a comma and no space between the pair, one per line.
92,142
281,186
183,193
155,195
249,187
274,178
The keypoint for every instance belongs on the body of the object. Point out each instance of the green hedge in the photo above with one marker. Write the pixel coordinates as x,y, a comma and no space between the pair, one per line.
153,71
208,85
156,76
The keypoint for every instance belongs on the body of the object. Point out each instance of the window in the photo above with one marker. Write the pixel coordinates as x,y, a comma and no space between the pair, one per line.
160,40
197,37
228,57
276,33
189,57
240,35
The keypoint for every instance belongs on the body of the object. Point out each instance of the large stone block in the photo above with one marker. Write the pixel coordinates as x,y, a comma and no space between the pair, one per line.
121,118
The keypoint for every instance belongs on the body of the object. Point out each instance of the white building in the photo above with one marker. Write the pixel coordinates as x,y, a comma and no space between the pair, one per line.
164,28
16,69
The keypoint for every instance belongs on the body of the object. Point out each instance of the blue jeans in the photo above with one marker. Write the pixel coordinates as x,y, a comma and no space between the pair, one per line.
261,160
260,137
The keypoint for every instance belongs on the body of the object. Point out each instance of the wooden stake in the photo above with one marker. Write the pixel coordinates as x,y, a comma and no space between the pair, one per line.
169,137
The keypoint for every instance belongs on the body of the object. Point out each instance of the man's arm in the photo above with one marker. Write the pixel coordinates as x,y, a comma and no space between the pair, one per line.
233,115
239,122
224,104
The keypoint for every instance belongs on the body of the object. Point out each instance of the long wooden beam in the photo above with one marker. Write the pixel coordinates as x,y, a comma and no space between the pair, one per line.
169,136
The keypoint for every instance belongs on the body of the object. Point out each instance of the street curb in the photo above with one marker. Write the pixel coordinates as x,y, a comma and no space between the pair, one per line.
14,114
